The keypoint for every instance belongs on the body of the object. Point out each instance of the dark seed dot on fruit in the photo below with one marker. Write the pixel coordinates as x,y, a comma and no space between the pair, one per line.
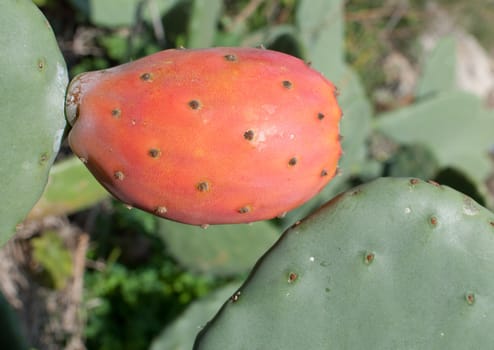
116,113
154,152
249,135
287,84
194,104
146,77
324,172
292,161
230,57
118,175
320,116
244,210
161,210
203,186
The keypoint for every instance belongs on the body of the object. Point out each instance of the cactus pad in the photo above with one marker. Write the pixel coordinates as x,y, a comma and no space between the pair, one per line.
33,80
393,264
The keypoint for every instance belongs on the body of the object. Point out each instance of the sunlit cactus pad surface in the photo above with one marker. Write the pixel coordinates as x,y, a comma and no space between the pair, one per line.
33,79
393,264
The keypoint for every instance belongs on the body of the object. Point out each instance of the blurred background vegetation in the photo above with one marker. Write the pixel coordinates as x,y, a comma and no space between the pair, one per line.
86,272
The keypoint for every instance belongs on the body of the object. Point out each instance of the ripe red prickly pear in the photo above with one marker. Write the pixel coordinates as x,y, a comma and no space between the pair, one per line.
209,136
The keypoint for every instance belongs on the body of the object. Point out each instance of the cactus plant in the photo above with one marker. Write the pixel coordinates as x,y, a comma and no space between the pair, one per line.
32,89
457,114
397,263
192,136
202,23
439,70
221,250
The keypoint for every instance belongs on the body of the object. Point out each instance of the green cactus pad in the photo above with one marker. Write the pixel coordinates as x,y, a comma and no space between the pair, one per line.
459,115
221,250
393,264
203,22
70,188
33,80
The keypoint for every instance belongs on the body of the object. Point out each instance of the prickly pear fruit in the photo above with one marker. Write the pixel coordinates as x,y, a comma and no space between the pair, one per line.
208,136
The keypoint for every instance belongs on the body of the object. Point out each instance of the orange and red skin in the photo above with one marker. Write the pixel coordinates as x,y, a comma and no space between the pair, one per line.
208,145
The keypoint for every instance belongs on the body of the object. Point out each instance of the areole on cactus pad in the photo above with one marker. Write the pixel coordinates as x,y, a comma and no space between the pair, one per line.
208,136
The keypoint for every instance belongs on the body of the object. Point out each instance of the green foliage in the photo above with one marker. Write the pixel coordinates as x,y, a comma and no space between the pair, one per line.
140,287
221,250
374,29
53,257
129,305
404,262
32,90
